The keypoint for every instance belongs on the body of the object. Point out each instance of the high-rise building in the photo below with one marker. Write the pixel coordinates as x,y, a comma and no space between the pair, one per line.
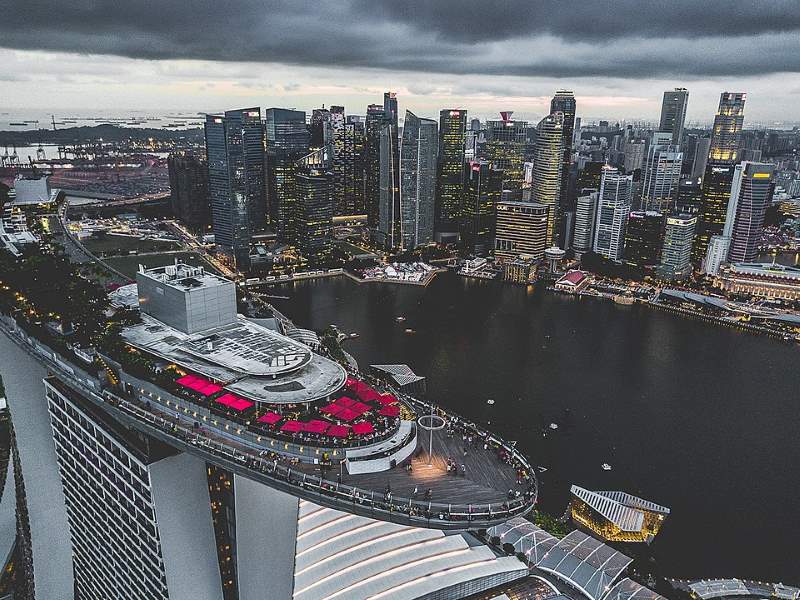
613,207
417,180
718,175
389,203
548,163
564,102
751,192
505,145
634,155
139,512
702,148
450,170
375,121
318,126
673,114
677,251
716,254
483,186
315,211
590,175
520,229
286,129
644,237
689,196
353,161
235,150
585,215
287,140
188,184
662,174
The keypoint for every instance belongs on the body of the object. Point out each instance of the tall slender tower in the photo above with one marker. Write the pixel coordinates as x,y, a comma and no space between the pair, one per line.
548,163
673,114
751,192
417,180
235,149
375,121
662,175
612,213
450,170
564,102
389,210
483,186
719,171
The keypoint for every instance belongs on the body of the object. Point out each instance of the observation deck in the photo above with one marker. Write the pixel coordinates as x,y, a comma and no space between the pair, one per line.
388,474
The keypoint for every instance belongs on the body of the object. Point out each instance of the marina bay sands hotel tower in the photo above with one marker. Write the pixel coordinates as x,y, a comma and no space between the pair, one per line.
211,456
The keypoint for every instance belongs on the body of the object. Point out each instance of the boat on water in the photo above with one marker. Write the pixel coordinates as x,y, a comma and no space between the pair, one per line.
490,401
400,319
18,124
606,467
410,331
553,426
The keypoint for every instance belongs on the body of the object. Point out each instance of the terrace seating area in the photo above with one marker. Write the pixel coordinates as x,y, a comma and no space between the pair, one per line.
360,414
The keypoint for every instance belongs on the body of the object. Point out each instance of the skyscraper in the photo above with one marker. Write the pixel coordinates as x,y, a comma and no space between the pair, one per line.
235,150
662,174
483,186
613,207
644,237
287,140
564,102
505,149
450,170
188,184
548,163
700,161
673,114
353,163
319,123
520,228
634,155
751,192
139,512
417,180
585,216
677,251
719,170
389,203
376,117
315,208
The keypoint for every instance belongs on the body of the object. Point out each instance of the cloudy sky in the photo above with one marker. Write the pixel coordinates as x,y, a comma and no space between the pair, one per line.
618,56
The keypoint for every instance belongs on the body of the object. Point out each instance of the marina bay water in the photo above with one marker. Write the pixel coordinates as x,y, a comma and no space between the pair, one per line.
693,416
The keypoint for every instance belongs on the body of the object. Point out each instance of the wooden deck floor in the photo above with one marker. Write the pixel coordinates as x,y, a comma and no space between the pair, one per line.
487,479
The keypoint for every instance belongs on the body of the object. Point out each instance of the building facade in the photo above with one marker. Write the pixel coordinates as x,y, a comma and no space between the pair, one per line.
316,206
505,145
373,125
564,102
483,186
585,215
718,177
520,229
188,184
662,174
673,114
235,151
644,237
450,170
417,180
548,163
614,204
677,251
751,193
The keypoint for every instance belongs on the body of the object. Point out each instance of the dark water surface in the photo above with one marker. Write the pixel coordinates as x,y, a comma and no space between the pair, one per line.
700,418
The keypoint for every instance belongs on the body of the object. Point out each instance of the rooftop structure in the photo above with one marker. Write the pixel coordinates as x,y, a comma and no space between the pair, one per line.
616,516
403,377
585,563
627,589
721,588
528,539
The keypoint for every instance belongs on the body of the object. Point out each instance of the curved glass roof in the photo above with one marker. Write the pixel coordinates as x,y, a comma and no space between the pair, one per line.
527,538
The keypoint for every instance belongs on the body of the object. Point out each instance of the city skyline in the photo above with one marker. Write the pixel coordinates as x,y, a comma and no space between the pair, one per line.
513,61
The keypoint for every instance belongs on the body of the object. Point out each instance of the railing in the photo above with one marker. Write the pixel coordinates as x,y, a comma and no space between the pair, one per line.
272,471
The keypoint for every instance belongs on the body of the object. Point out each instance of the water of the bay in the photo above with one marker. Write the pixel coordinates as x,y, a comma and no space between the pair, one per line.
697,417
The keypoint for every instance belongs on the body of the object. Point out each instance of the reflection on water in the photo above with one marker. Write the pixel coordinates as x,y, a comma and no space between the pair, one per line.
696,417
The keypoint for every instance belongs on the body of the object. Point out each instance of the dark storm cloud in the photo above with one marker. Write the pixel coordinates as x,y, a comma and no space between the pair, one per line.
623,38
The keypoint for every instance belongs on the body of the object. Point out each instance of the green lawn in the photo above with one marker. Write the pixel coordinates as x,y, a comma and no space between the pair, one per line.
116,245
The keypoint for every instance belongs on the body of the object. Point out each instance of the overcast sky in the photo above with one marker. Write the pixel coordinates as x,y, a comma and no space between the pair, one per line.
618,56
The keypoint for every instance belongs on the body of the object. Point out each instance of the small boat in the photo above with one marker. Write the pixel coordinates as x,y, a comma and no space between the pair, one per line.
553,426
541,469
400,319
606,467
409,331
490,401
353,335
